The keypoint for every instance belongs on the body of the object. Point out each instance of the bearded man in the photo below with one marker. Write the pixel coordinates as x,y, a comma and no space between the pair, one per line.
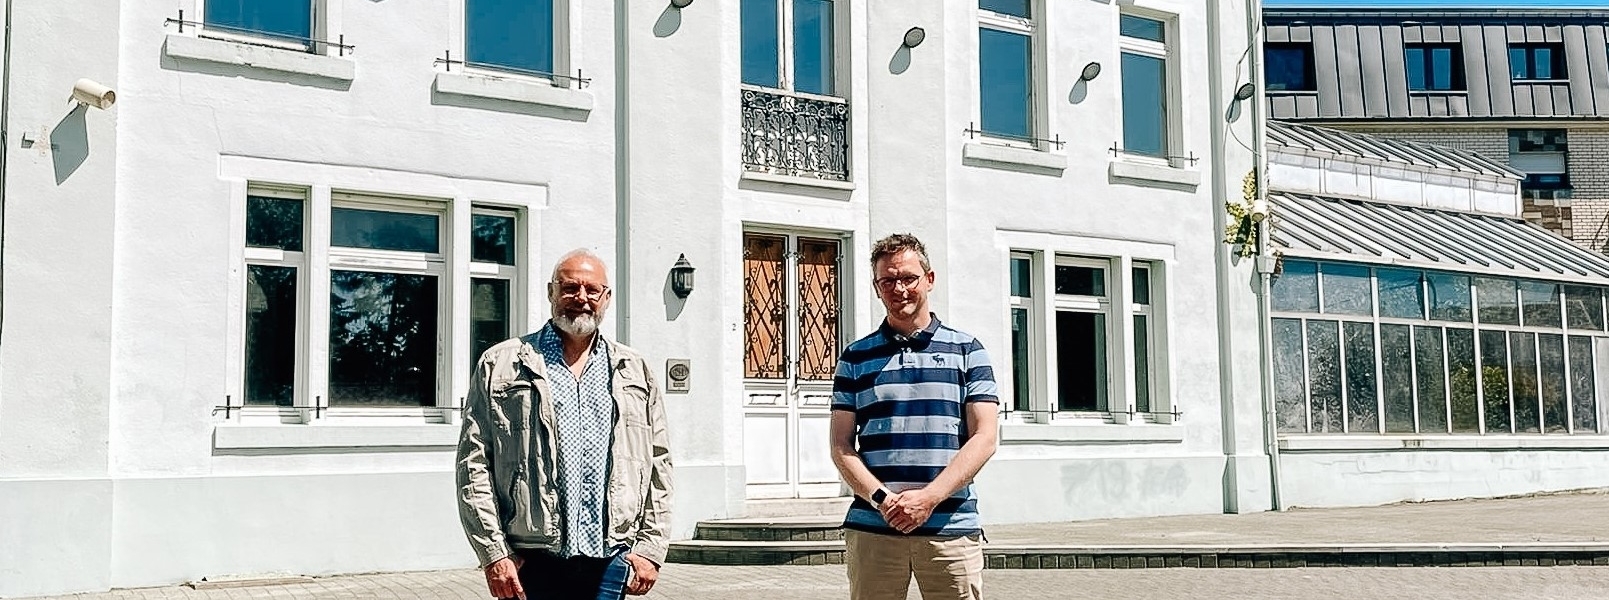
564,470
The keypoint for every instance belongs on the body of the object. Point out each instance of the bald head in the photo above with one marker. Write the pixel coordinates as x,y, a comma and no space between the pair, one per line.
578,261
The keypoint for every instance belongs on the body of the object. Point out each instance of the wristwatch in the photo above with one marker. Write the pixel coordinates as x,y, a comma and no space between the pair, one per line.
879,496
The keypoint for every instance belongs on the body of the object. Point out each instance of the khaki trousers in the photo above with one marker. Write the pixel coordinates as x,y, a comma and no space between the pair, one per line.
880,566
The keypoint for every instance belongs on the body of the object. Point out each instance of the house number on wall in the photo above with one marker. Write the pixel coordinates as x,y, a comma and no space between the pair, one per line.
678,372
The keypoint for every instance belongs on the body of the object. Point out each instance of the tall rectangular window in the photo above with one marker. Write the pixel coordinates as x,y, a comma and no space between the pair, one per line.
1082,312
1536,62
1144,66
515,35
274,265
493,249
287,20
1022,341
790,45
1288,68
1434,67
1006,68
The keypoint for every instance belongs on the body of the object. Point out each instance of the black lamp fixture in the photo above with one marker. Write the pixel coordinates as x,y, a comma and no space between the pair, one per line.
681,277
1090,72
914,37
681,3
1245,91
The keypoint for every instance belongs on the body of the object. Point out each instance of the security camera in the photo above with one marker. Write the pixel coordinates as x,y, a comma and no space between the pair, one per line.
1259,210
89,93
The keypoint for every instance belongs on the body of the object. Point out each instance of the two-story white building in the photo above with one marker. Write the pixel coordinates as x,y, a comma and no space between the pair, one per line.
240,303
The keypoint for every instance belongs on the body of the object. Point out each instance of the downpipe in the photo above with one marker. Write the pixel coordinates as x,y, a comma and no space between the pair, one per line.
5,145
1265,259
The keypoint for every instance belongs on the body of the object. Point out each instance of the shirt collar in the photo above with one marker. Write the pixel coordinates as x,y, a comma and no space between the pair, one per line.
921,338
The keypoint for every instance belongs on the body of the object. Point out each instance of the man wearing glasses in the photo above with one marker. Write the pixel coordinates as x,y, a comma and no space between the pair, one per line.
914,412
564,471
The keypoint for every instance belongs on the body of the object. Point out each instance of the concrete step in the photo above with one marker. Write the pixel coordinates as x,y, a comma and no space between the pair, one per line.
797,507
1068,556
772,529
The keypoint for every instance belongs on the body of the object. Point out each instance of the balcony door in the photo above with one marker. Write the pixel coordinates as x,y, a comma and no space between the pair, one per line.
792,295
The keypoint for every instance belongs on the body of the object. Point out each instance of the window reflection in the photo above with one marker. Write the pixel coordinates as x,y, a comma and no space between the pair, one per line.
488,314
812,46
383,341
1005,62
270,335
274,223
492,239
1145,129
510,33
385,230
288,19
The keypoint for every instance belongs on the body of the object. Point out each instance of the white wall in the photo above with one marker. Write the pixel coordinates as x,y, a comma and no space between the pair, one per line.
1316,479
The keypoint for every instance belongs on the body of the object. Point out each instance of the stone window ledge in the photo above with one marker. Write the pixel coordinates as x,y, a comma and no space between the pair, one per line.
1143,173
844,186
1011,157
184,47
245,437
540,93
1364,442
1069,433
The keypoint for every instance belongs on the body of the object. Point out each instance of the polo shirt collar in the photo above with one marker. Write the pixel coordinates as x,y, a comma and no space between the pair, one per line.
921,338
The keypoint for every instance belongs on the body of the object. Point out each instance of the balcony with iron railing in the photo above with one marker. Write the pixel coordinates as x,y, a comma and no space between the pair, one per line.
795,134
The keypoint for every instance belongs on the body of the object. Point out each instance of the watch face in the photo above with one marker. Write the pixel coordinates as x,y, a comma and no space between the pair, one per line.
878,496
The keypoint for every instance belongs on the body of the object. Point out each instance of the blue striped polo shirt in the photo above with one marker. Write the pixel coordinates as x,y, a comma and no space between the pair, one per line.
908,395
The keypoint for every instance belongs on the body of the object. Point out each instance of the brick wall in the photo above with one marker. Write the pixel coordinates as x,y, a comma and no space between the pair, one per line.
1583,218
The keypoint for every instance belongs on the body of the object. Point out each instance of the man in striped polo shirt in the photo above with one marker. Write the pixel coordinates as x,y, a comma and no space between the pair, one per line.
913,420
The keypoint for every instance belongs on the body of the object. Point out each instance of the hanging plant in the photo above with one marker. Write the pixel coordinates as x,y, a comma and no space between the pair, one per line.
1242,230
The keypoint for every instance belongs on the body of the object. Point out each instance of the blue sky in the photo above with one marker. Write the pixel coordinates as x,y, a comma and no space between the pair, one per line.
1440,3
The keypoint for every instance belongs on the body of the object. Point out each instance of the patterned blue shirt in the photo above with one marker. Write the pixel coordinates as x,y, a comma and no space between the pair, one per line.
585,413
909,397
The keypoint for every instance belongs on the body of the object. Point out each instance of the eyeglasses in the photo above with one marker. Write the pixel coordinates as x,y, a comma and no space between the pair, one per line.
889,284
581,290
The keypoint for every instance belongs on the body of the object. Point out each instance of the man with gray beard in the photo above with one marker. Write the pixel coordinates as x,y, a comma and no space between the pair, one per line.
564,471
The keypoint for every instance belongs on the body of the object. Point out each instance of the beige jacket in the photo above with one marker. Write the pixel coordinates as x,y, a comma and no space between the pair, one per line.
508,493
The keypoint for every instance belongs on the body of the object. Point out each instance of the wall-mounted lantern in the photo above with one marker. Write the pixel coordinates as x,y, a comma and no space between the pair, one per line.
914,37
1090,72
681,277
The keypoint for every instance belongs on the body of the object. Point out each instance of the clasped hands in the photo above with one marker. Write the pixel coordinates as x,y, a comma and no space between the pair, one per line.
909,509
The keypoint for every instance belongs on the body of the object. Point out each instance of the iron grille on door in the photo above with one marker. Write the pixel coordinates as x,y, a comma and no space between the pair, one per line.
769,330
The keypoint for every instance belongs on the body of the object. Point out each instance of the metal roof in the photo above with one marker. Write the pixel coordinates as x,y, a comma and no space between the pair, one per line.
1313,226
1358,145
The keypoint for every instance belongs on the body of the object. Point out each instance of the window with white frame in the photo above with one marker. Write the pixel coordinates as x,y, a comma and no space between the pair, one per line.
292,23
1381,350
520,36
790,45
1006,73
389,313
1082,350
1144,66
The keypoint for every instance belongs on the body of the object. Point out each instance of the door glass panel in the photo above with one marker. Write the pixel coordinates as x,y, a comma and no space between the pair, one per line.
759,30
1396,377
1362,407
764,307
1522,359
1583,404
818,309
383,341
1290,384
1324,369
1495,381
812,46
1430,379
1553,385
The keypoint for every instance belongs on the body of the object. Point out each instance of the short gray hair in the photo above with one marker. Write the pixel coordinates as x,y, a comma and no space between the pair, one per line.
897,243
572,255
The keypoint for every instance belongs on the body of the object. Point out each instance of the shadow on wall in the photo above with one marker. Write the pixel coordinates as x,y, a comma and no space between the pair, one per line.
669,21
1079,92
673,304
69,143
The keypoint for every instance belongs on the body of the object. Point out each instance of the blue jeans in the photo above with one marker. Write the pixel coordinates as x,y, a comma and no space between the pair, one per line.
546,576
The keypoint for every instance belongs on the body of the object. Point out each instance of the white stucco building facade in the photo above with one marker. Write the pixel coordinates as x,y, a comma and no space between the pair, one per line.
240,303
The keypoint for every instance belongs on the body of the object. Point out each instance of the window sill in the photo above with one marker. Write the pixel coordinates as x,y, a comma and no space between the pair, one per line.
537,93
184,47
1146,173
1367,442
244,437
1010,157
1019,433
827,184
1438,92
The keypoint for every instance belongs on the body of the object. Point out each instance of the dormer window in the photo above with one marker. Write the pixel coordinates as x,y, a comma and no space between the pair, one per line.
1435,68
1536,62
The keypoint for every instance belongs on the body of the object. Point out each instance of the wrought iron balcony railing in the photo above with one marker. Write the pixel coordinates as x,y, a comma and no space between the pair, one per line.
795,135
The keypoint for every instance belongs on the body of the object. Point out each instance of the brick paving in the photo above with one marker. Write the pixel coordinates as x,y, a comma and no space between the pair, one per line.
699,582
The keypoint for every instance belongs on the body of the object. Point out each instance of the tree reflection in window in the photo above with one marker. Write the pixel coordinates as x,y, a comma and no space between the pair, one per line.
382,339
274,223
270,335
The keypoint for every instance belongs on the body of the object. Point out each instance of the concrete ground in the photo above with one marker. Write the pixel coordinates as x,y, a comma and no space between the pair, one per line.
1577,518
